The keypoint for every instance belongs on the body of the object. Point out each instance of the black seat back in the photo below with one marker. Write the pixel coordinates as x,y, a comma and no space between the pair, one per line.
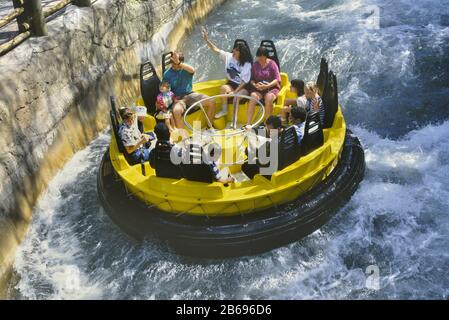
289,150
322,76
197,169
166,61
271,51
313,133
114,110
149,86
161,162
241,41
330,101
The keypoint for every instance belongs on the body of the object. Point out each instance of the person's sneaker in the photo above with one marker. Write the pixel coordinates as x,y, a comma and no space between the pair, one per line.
222,113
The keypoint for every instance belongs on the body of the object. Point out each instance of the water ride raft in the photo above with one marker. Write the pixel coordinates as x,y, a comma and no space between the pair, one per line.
184,205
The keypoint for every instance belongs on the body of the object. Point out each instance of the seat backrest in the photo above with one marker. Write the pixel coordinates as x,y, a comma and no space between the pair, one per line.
322,76
241,41
161,162
313,133
289,150
166,61
114,109
330,101
149,86
284,80
269,44
197,169
244,43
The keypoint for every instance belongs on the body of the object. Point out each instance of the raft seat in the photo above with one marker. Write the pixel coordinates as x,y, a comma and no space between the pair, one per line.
197,170
160,161
149,86
289,151
313,134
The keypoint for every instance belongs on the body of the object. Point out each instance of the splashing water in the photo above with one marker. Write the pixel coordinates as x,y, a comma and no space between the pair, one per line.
393,82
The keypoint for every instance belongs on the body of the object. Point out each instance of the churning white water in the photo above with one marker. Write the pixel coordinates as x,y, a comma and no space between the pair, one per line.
394,84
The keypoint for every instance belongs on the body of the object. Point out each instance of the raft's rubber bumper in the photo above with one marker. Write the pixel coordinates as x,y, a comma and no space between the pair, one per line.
239,235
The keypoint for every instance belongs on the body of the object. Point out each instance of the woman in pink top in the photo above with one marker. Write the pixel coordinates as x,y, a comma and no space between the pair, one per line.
265,83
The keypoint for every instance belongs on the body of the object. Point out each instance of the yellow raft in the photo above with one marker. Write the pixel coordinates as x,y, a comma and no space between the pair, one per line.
245,216
198,198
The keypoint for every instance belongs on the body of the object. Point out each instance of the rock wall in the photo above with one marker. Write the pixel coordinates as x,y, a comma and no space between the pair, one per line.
54,93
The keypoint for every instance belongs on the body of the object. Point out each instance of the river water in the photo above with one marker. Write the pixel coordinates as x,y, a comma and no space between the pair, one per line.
394,87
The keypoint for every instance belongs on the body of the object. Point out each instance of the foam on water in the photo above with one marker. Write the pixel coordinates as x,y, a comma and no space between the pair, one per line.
393,87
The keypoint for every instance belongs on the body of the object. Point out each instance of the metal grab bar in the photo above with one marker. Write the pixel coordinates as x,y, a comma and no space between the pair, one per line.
226,134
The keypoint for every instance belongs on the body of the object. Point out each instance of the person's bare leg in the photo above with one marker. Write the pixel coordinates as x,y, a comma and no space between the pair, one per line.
210,106
242,92
269,99
168,124
225,89
251,106
178,110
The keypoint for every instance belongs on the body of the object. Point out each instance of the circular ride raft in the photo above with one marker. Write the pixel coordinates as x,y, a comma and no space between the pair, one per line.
183,205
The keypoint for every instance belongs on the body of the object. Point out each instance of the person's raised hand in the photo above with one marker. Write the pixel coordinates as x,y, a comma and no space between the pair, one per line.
175,58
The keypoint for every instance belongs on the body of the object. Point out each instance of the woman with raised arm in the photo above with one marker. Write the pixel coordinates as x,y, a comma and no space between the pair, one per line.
238,65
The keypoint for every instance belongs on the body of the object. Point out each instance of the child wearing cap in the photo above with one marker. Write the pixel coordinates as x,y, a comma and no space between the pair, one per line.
164,102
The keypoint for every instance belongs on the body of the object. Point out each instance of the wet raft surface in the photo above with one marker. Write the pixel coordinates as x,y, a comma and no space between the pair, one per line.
393,88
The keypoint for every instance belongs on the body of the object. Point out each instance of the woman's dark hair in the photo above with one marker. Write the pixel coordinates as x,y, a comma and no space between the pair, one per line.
262,52
162,132
299,86
245,54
